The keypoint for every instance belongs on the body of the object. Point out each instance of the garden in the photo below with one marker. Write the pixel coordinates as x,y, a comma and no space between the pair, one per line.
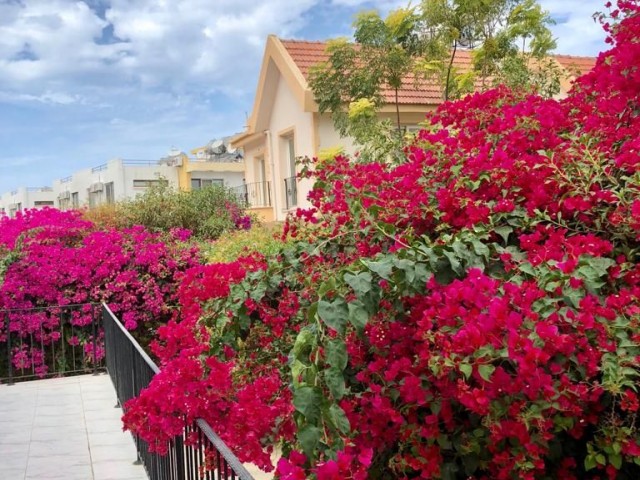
469,311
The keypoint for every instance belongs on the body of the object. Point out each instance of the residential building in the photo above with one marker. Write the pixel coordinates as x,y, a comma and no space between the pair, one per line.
113,181
285,123
215,163
26,197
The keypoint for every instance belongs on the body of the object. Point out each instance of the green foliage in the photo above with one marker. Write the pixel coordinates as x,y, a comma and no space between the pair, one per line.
233,244
356,75
502,33
207,213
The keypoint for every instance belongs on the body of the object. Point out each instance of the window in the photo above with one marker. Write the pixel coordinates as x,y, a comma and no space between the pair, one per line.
144,183
110,197
288,156
291,156
75,200
200,183
43,203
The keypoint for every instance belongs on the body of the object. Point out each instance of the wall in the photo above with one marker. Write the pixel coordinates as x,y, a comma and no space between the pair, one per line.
287,117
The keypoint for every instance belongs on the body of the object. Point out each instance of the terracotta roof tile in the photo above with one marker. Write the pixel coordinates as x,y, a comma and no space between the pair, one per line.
305,54
576,65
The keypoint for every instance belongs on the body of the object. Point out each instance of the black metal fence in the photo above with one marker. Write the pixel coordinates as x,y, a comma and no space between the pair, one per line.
131,370
50,341
256,194
291,192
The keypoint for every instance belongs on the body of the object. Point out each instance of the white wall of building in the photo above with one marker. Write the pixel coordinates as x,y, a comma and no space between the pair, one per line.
289,120
26,198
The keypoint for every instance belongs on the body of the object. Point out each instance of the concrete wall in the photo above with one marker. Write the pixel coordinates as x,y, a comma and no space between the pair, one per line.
26,198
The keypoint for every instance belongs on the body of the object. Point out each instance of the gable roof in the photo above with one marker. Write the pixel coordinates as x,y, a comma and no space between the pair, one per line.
293,60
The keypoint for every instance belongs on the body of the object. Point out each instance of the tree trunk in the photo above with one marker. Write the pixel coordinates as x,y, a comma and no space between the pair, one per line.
453,55
398,115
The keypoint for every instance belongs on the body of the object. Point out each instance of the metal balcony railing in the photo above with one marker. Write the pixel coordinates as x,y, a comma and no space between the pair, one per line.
291,192
131,370
256,194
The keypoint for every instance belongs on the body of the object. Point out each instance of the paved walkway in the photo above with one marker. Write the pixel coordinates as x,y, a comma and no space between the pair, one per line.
64,428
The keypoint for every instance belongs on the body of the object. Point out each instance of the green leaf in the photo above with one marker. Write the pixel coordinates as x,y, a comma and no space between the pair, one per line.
590,462
307,401
304,340
335,382
456,266
481,249
359,282
358,316
486,371
326,287
334,314
466,370
384,268
616,460
527,268
504,232
339,419
337,354
309,437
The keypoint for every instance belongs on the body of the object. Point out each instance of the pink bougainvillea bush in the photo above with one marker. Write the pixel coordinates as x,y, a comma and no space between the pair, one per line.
49,257
470,313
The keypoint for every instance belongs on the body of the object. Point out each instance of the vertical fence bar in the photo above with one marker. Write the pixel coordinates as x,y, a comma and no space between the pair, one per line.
94,334
9,359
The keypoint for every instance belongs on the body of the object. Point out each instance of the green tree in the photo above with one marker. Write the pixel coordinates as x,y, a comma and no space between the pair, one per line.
510,40
358,74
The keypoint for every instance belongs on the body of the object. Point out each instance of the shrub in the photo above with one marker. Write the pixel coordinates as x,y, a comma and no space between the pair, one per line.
57,258
470,312
232,245
207,213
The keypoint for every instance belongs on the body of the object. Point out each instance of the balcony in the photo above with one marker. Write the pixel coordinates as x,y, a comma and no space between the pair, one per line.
254,195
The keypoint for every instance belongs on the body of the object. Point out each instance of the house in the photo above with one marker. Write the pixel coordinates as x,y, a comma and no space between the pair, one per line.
215,163
285,123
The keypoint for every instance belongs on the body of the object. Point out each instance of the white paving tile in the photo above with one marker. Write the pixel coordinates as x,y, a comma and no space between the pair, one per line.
64,428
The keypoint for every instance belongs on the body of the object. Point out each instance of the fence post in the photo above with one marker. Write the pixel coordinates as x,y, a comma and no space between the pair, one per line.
95,341
9,359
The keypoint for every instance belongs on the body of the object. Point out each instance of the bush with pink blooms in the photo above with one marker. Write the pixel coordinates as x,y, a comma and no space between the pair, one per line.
472,312
49,257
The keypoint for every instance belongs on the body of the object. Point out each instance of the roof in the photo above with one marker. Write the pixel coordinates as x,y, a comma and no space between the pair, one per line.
576,65
305,54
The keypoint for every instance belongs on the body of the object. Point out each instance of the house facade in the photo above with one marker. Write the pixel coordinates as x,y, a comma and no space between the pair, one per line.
286,125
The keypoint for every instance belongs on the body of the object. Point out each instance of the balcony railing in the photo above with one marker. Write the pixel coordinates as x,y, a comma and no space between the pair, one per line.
131,370
254,194
49,341
291,192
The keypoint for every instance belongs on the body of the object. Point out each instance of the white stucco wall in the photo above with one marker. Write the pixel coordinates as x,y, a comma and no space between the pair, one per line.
288,118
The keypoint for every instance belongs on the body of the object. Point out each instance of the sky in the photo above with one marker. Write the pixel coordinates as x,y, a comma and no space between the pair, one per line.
82,82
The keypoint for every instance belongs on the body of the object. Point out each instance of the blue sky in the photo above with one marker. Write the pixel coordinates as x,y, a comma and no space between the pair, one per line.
85,81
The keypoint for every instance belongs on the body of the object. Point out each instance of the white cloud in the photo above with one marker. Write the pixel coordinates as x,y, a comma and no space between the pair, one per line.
575,30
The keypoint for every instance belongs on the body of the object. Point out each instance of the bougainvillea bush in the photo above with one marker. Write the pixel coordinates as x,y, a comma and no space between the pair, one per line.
49,257
472,312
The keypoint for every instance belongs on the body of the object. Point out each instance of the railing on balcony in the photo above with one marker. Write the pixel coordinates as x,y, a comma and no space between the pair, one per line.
254,194
49,341
131,370
291,192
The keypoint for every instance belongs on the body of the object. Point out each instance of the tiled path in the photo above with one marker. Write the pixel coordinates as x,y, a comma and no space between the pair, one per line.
64,428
